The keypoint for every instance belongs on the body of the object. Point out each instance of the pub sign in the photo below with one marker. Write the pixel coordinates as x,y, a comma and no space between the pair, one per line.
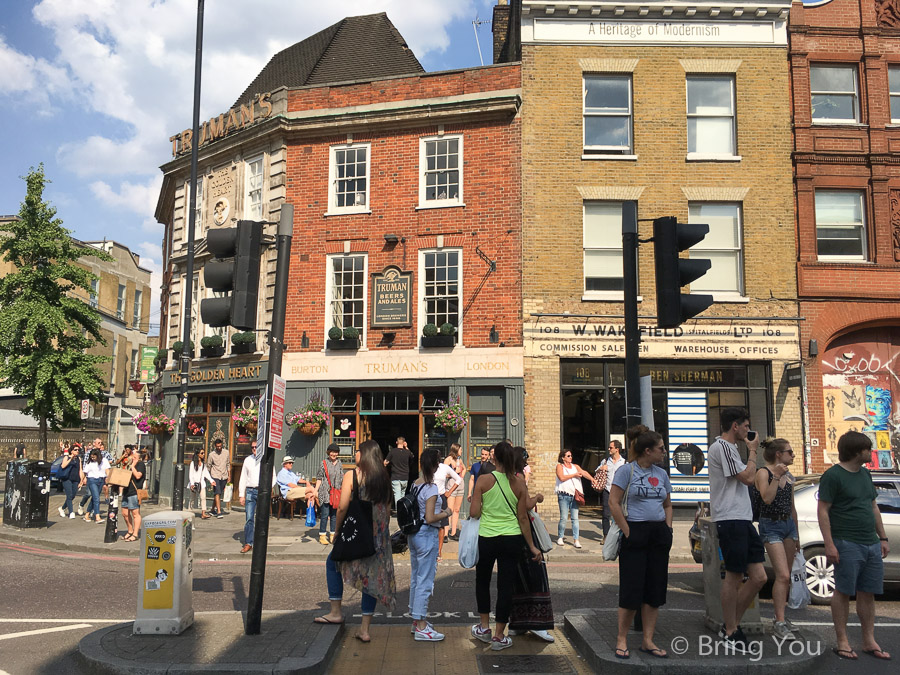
391,298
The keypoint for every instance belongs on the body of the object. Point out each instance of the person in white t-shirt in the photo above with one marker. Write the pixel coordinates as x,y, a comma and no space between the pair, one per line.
447,481
730,509
609,466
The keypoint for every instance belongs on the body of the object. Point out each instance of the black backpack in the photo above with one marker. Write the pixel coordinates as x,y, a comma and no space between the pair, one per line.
409,518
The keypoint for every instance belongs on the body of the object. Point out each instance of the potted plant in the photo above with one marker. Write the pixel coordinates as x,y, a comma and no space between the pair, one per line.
347,338
178,347
310,418
152,420
161,359
212,346
243,343
247,418
452,417
434,337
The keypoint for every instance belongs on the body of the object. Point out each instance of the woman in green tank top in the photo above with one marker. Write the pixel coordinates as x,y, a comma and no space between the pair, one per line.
504,534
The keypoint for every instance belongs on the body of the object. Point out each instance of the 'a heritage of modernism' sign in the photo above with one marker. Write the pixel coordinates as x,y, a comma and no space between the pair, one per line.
392,298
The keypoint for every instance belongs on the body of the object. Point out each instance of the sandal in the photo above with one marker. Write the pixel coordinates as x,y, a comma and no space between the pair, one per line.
878,654
325,619
362,639
129,537
656,651
847,654
622,653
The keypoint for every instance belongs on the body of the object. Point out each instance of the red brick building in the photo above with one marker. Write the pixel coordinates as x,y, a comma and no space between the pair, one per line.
406,190
845,69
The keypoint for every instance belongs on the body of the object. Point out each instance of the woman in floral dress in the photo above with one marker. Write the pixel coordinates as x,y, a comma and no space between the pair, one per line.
372,576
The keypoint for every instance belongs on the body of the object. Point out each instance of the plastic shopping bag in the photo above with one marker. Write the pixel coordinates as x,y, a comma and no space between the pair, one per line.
311,514
799,595
468,542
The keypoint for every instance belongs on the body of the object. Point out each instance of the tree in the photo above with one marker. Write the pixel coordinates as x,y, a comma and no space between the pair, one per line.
45,329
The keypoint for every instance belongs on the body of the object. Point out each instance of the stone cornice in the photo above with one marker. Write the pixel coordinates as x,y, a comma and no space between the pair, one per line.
673,9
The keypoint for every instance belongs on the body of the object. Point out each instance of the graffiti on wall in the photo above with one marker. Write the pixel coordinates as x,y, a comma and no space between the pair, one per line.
861,392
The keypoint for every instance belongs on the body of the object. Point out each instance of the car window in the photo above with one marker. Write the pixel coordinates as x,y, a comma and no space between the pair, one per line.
887,497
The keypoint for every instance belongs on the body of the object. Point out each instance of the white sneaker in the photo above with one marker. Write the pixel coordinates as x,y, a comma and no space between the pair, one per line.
80,511
577,544
72,516
483,634
415,626
501,643
428,635
62,513
782,632
544,635
560,542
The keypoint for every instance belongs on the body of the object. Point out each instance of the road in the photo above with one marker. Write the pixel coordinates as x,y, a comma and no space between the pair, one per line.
50,600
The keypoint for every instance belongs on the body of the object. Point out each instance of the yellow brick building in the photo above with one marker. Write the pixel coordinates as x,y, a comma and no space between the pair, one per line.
685,110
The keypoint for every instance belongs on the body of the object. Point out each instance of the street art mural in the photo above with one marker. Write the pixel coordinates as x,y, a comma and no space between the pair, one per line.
861,392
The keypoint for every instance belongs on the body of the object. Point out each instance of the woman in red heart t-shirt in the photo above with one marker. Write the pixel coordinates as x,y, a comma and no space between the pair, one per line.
640,503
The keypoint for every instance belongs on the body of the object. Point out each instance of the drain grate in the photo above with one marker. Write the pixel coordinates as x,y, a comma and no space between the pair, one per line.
523,663
462,584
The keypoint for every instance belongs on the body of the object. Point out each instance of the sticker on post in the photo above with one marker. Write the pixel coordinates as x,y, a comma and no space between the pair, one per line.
153,553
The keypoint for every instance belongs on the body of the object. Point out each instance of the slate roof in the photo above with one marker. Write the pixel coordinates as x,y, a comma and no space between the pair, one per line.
355,48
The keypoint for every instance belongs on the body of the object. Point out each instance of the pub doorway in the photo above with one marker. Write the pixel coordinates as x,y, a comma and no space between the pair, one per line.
385,428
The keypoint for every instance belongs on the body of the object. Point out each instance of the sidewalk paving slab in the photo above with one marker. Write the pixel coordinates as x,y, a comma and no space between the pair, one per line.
288,643
693,649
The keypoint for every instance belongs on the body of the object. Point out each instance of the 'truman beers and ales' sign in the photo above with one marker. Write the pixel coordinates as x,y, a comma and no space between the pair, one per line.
235,119
391,298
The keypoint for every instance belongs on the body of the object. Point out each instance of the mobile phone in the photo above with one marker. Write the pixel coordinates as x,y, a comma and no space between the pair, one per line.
751,436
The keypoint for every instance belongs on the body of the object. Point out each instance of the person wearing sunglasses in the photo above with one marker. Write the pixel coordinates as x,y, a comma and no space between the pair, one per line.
778,523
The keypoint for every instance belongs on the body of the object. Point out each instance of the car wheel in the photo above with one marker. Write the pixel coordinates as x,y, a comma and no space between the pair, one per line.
819,576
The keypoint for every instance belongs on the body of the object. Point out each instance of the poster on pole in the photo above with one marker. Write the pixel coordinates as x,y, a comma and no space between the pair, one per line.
261,424
148,366
279,386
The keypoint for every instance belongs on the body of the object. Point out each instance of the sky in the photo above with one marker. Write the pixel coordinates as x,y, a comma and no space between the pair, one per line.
93,89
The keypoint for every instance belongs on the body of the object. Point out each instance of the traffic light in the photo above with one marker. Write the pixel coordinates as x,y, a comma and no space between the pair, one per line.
670,238
235,269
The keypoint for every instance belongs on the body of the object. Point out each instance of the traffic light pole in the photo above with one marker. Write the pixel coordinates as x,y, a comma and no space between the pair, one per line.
632,330
187,352
264,494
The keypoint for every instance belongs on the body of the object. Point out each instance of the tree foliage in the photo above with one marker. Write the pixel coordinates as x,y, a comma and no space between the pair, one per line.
45,329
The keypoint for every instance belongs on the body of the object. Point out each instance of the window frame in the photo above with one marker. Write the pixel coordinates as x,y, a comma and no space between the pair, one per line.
732,81
607,294
94,293
121,297
333,208
424,202
738,250
422,318
137,308
329,290
607,150
894,95
855,93
863,227
250,189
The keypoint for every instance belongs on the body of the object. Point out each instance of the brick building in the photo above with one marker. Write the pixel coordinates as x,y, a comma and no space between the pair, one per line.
686,110
845,71
406,190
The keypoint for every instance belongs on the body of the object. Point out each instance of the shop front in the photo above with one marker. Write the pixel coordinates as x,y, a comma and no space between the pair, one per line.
694,370
216,396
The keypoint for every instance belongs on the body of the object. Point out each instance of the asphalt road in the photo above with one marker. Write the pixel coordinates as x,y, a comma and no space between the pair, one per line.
49,600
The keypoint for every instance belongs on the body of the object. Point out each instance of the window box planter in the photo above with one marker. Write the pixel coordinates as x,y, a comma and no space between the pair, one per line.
243,348
212,352
438,341
348,343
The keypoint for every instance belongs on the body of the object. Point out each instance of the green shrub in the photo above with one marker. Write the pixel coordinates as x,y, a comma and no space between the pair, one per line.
244,338
335,333
351,333
429,330
448,329
211,341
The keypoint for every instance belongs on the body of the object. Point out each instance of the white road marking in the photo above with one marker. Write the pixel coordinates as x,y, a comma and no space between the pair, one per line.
57,629
831,623
90,621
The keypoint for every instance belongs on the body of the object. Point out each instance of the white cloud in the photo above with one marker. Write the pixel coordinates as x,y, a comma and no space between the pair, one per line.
35,79
151,257
135,197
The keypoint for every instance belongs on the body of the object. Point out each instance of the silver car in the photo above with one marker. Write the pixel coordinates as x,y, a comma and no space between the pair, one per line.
819,572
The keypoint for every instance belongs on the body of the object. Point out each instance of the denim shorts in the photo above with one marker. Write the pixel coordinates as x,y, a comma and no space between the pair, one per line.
131,503
776,531
740,544
860,568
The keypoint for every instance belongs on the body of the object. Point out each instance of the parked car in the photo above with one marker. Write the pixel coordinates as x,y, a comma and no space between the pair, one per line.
55,482
819,572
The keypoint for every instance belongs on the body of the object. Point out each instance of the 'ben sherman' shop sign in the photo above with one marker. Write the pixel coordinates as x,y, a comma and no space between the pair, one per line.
691,341
659,32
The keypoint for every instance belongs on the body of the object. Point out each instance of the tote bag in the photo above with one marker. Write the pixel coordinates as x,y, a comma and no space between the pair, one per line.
531,606
613,541
356,538
468,542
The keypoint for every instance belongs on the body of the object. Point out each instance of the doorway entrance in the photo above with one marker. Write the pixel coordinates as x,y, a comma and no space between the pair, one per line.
385,428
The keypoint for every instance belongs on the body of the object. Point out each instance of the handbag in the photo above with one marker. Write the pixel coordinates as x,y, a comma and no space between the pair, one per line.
579,497
539,533
531,608
334,494
356,538
468,542
613,541
399,543
310,514
600,475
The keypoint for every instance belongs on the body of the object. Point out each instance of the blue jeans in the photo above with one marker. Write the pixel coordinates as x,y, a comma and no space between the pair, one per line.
94,486
399,489
250,513
70,487
423,549
860,568
336,588
325,511
567,505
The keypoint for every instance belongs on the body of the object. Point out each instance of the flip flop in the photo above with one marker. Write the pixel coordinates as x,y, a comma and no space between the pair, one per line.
325,619
362,639
847,654
878,654
622,654
656,651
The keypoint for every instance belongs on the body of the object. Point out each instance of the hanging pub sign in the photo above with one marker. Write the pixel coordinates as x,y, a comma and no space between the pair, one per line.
391,298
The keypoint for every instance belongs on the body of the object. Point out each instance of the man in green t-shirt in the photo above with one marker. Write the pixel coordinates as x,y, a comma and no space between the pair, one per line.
855,541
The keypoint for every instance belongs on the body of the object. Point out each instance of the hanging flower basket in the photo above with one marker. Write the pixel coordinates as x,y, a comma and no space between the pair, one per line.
452,417
310,418
310,428
251,427
152,420
247,418
157,430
